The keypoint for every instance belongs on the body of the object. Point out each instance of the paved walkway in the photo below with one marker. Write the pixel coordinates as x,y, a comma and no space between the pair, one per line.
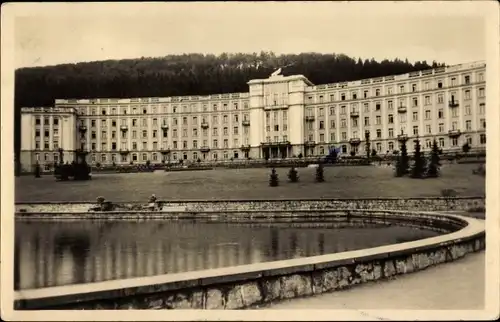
455,286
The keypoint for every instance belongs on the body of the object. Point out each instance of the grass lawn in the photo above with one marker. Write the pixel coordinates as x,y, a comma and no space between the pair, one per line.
340,182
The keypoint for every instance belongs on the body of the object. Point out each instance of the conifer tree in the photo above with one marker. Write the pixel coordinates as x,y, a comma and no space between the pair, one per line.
402,164
434,164
367,142
293,175
319,173
418,169
273,178
37,170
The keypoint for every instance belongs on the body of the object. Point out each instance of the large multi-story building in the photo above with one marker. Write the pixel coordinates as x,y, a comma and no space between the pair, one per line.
280,117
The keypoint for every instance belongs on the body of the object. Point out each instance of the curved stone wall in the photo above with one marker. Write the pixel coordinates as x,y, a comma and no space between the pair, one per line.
424,204
250,285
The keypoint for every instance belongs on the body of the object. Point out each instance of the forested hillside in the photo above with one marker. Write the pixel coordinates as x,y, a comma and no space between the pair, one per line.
187,74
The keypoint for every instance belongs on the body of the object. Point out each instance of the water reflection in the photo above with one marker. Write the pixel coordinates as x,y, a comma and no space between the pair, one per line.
61,253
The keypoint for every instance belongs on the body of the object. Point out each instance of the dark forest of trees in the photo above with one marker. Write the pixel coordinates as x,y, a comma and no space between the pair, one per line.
188,74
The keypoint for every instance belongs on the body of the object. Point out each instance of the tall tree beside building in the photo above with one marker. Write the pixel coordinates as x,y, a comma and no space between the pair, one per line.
402,163
418,168
293,175
367,144
433,169
319,173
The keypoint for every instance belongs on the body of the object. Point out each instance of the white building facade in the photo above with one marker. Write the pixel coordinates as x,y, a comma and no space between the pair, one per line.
280,117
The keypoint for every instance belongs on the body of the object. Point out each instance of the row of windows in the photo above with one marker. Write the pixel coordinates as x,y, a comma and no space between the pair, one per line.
377,106
152,99
401,89
153,109
46,121
155,134
378,146
390,132
175,121
321,125
440,112
175,144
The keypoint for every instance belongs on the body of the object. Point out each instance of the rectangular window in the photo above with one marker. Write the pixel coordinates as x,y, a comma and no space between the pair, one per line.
427,114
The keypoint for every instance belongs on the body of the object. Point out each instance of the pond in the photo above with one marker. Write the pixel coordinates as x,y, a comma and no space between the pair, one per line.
62,253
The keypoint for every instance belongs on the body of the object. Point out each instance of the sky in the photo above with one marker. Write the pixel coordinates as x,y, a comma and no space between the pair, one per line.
83,32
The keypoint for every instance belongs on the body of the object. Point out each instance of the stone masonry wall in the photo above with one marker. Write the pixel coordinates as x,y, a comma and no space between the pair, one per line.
419,204
262,288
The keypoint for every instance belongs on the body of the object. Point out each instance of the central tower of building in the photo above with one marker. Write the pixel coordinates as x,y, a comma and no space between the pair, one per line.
277,111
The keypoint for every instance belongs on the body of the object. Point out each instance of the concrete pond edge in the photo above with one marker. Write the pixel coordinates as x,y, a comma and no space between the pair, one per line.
247,286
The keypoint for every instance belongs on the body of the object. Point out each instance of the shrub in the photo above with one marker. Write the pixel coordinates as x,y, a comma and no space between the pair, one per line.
273,178
352,153
300,155
38,170
481,170
293,175
477,209
100,199
448,193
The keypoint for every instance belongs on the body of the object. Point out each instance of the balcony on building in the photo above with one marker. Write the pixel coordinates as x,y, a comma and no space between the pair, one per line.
204,125
354,114
81,152
124,151
164,127
354,141
454,133
204,148
245,122
124,128
245,147
309,118
401,109
453,103
402,137
82,129
276,107
165,151
310,143
275,143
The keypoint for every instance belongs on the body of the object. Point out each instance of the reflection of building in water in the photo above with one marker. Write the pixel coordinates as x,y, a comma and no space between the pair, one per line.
52,254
